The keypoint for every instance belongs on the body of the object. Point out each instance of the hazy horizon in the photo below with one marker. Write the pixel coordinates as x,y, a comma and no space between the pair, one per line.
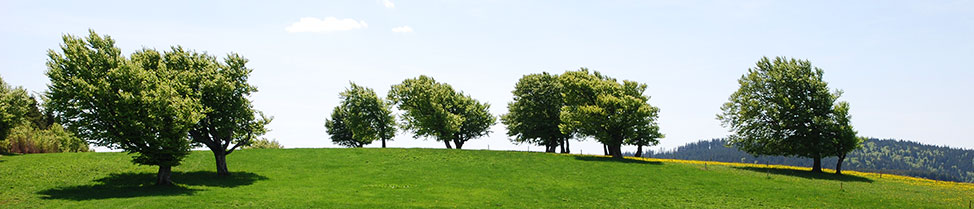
903,65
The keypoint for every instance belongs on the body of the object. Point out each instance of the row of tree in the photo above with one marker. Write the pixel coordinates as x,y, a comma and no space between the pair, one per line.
155,105
548,110
158,105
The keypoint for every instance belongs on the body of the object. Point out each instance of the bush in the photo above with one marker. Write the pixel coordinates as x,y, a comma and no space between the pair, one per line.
264,143
27,139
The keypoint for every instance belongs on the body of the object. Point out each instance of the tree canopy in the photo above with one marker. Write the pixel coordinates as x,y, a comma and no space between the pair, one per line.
783,107
135,104
534,115
434,109
15,105
613,113
222,88
361,118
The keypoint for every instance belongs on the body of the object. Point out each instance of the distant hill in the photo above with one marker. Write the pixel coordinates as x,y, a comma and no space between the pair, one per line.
877,155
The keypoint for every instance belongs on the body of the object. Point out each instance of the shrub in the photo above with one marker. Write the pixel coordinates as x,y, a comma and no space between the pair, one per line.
264,143
27,139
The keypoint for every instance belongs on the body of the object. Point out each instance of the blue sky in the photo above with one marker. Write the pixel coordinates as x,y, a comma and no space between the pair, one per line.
905,66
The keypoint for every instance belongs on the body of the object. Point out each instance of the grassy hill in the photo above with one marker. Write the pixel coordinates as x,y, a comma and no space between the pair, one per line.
367,178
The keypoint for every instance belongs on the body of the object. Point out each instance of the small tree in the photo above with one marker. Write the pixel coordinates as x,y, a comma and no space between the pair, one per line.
435,110
133,105
534,115
364,118
611,112
844,139
783,107
15,106
476,120
222,88
264,143
340,133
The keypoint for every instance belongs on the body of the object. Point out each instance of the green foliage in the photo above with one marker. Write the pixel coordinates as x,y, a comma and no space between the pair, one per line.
25,129
611,112
534,115
137,104
15,106
223,90
438,178
434,109
264,143
364,116
783,107
27,139
339,131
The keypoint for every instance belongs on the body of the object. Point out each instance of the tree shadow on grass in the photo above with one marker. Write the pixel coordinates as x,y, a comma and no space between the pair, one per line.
128,185
610,159
808,174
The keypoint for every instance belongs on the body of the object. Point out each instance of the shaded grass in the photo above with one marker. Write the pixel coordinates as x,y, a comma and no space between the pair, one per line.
129,185
609,159
808,174
436,178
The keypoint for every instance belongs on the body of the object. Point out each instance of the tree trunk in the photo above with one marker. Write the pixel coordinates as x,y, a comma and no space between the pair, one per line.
568,148
562,145
605,149
458,143
838,166
447,142
817,165
616,151
162,178
221,164
383,143
639,151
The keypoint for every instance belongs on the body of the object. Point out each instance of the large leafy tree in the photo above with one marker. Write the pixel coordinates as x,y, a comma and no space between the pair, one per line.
136,105
611,112
434,109
230,120
361,118
534,115
783,107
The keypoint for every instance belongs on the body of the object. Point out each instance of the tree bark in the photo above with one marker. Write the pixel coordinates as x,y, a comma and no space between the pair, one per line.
383,143
568,148
447,142
616,151
838,166
817,165
221,164
639,151
562,145
605,148
163,177
458,143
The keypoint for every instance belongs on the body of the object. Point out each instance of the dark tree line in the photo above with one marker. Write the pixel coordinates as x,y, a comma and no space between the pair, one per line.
876,155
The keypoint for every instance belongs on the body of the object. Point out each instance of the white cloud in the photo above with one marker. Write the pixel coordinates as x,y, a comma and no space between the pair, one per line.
329,24
402,29
388,4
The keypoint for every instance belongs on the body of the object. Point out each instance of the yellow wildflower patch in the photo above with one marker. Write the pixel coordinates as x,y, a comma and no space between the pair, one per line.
905,179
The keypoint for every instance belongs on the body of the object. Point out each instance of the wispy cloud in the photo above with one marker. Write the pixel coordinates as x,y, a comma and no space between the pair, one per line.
329,24
402,29
388,4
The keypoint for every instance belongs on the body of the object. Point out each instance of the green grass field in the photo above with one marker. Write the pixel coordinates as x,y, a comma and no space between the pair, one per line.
438,178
